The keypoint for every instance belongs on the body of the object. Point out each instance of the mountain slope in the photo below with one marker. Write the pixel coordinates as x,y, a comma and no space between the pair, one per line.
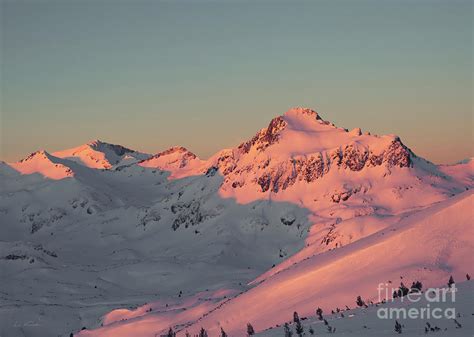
364,322
462,171
420,247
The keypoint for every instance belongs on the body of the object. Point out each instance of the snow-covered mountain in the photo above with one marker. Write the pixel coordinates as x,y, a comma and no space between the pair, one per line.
41,162
101,155
104,235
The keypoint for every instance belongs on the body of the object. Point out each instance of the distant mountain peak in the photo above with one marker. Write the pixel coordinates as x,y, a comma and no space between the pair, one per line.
100,146
101,155
35,155
301,111
94,142
43,163
176,159
176,149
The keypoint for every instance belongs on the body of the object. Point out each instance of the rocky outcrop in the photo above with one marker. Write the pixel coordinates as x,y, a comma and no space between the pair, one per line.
265,137
312,167
187,214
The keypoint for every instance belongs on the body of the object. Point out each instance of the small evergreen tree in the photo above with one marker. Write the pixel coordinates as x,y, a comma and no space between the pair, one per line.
203,333
468,277
395,293
398,327
223,333
403,290
296,318
288,332
319,313
416,287
250,330
311,330
299,327
360,302
451,281
171,333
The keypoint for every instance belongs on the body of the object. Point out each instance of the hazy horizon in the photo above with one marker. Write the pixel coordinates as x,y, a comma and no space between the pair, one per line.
208,75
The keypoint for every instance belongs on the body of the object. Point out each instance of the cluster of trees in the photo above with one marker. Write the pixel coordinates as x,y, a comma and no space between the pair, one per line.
203,332
299,329
416,286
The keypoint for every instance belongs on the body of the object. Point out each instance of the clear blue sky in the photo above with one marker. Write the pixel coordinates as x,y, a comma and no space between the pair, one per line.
208,74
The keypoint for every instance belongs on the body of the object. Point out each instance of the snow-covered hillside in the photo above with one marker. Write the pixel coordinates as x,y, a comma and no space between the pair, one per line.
101,235
365,322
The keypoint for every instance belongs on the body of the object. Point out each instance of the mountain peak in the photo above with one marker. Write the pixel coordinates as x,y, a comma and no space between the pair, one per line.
95,142
176,149
101,155
35,155
301,111
43,163
178,160
99,145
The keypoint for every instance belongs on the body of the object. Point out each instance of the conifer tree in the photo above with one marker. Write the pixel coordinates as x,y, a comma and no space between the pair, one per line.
250,330
203,333
398,327
451,281
223,333
319,313
171,333
287,329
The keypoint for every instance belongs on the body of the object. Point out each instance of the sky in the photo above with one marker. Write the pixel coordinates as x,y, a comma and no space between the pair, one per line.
209,74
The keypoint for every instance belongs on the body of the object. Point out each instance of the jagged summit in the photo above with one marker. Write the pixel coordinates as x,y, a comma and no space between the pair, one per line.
303,112
176,149
101,146
37,154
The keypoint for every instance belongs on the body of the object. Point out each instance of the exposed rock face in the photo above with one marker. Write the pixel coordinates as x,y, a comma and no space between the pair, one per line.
188,214
281,175
252,163
397,154
265,137
119,150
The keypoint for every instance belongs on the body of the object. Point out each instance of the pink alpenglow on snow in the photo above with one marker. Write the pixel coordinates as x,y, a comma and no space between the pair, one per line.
302,215
43,163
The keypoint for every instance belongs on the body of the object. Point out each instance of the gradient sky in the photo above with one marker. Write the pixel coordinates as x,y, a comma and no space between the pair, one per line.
209,74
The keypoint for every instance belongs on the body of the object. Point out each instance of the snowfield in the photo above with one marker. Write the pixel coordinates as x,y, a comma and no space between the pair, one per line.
101,240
